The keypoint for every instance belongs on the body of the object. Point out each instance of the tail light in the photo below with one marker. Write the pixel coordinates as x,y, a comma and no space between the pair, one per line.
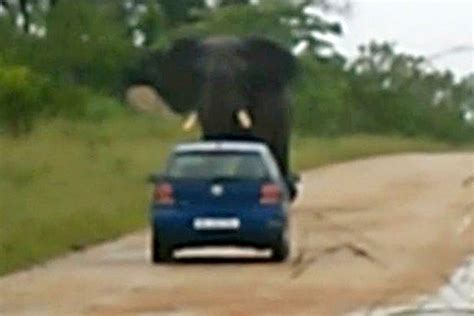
163,194
270,193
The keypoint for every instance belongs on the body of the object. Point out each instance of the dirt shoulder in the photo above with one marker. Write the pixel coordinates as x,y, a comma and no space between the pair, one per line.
367,233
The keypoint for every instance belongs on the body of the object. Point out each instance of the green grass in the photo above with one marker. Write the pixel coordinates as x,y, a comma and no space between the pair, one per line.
72,184
314,152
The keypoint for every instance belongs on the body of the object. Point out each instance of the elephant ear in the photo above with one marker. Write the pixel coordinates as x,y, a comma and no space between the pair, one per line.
179,83
270,66
143,70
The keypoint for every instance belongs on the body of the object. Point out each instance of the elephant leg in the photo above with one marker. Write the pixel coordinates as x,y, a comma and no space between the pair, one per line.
281,155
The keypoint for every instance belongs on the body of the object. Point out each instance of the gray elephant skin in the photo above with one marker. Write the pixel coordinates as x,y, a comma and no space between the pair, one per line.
220,76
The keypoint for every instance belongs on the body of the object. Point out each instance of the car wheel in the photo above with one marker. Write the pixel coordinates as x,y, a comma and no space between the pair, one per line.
281,249
160,253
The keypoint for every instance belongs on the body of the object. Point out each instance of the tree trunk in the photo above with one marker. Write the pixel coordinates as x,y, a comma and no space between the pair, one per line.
26,16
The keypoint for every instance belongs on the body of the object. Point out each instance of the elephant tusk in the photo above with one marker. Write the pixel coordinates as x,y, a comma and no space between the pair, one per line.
190,121
244,119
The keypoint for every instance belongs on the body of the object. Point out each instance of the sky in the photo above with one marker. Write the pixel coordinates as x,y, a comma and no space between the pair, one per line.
422,27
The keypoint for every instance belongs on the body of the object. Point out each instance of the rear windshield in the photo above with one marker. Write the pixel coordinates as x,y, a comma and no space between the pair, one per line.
222,165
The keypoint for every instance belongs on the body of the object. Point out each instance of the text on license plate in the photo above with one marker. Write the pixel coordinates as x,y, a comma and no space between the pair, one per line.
216,223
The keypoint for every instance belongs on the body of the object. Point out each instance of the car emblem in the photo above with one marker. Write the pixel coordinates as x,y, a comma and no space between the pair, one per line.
217,190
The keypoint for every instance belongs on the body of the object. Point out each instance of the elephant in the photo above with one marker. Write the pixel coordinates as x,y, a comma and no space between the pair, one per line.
235,88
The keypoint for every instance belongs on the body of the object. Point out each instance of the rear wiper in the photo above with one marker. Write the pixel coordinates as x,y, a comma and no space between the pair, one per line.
230,179
225,179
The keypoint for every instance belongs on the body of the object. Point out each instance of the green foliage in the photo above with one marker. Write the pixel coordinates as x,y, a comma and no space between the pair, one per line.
80,103
381,91
282,21
14,47
22,98
321,95
396,92
240,20
154,25
67,101
85,44
180,11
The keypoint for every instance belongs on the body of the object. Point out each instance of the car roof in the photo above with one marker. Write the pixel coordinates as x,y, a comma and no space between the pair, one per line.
216,146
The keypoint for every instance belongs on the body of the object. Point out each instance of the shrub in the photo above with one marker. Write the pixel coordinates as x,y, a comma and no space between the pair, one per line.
77,102
320,99
23,95
67,101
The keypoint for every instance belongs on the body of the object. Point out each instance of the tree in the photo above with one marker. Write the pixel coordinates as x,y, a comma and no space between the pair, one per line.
85,45
398,92
286,22
146,22
179,12
30,13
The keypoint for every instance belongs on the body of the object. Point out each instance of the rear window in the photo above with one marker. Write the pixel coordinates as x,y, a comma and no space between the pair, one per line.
221,165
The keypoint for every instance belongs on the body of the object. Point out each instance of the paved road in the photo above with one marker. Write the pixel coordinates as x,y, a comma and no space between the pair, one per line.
368,233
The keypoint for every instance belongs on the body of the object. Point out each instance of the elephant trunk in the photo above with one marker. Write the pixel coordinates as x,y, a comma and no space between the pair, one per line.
222,107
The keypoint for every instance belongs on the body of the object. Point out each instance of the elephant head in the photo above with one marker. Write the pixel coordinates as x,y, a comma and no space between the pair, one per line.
221,78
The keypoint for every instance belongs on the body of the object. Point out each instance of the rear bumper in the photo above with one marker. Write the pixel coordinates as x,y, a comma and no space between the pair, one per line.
258,228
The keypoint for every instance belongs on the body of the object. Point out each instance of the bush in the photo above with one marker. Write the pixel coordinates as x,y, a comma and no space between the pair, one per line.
23,95
67,101
85,45
75,102
320,99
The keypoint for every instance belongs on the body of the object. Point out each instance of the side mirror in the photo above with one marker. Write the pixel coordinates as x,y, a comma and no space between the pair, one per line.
155,177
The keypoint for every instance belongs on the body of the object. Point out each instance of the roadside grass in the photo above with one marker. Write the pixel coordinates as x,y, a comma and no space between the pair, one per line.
74,183
71,184
315,152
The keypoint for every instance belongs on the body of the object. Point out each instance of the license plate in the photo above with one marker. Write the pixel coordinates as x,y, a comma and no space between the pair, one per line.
216,223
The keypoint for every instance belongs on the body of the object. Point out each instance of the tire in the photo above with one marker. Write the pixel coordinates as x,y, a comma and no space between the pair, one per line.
281,249
160,253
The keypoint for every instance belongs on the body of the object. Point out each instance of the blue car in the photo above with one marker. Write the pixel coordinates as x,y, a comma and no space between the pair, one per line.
220,193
